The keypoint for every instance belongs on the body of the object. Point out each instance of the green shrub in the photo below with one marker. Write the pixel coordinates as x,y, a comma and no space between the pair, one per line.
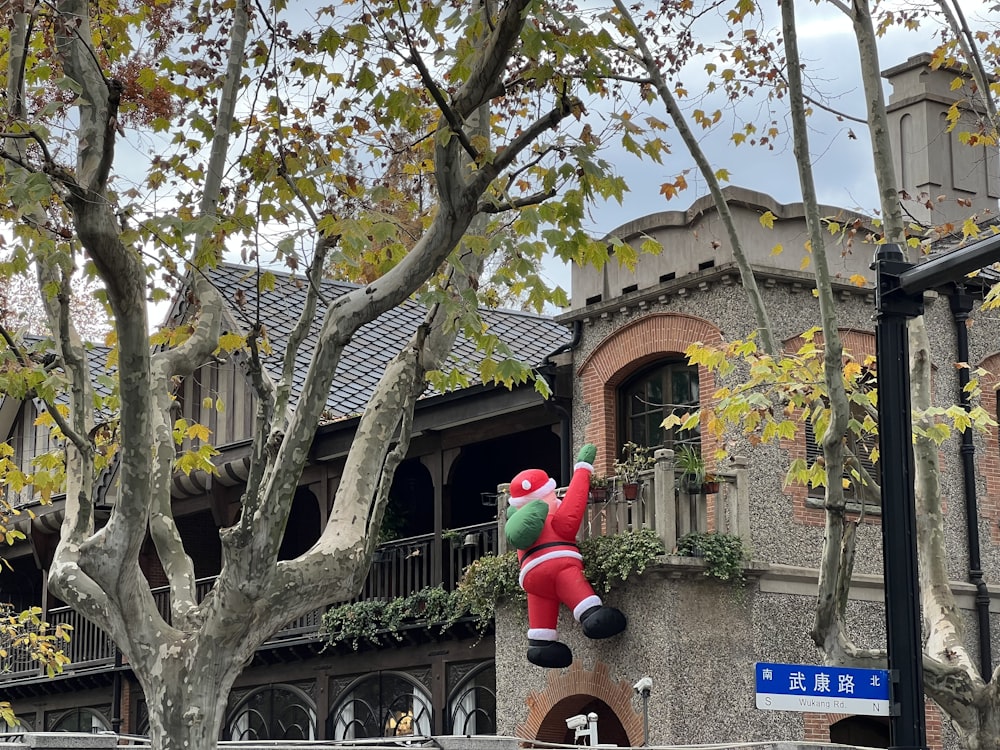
610,560
723,554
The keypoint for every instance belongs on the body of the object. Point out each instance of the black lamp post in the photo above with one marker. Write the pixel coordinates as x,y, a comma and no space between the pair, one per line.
899,292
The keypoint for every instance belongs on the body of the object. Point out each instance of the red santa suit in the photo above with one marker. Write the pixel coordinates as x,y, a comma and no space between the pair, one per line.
552,568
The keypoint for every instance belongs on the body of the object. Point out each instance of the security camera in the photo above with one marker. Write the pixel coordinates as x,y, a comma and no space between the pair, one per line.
576,722
644,685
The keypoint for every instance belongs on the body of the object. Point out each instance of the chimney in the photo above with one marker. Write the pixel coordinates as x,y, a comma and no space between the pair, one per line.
946,181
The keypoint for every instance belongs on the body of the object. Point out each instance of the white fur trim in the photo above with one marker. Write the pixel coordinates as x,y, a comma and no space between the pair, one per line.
534,562
542,492
583,465
542,634
590,601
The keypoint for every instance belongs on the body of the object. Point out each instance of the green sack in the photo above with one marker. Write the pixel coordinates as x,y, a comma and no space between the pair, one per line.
525,524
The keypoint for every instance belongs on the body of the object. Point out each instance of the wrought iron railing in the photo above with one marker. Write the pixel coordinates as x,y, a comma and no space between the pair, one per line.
399,568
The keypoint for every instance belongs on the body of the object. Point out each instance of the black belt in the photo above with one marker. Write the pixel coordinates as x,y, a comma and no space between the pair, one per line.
547,545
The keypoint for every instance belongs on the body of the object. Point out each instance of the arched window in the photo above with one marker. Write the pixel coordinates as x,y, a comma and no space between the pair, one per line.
87,720
472,704
275,712
651,395
860,443
385,704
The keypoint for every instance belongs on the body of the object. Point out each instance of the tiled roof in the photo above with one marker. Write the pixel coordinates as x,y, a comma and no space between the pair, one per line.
530,337
97,357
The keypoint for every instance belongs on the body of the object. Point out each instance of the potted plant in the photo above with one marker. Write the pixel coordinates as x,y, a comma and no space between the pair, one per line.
635,459
692,467
599,484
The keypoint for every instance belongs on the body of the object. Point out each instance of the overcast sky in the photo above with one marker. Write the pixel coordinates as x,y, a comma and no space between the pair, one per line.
842,164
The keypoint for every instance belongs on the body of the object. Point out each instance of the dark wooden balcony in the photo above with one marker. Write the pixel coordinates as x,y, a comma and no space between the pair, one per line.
399,568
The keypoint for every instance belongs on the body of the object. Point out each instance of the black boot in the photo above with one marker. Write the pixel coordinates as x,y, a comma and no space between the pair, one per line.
549,654
603,622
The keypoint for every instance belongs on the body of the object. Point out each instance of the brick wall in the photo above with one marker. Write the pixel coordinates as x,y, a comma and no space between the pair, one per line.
817,726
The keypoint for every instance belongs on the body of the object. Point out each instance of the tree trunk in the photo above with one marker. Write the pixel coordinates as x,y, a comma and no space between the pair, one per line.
189,691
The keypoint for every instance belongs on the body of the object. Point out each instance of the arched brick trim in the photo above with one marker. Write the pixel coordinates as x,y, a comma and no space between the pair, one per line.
858,345
634,345
578,681
988,461
816,727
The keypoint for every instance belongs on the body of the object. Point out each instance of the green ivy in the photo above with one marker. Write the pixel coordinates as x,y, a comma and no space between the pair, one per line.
608,561
380,621
488,581
723,554
611,560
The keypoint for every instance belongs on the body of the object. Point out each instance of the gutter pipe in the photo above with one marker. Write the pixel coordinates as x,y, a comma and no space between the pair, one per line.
565,414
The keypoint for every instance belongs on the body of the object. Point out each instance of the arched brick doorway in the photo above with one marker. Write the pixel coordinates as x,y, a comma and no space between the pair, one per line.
580,691
609,728
864,731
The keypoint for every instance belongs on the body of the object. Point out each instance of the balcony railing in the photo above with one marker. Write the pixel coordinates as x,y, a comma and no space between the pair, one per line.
404,566
399,568
663,503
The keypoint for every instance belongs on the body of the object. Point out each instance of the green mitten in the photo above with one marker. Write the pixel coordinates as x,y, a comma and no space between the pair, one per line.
525,524
587,453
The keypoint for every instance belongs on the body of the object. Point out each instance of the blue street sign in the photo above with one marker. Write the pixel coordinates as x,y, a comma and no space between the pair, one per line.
824,690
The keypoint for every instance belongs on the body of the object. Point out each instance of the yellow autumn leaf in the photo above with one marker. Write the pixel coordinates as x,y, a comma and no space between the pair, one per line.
857,279
767,219
672,420
722,175
230,342
777,249
198,432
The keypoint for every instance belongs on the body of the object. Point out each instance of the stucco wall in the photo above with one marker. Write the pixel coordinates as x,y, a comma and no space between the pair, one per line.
698,640
698,643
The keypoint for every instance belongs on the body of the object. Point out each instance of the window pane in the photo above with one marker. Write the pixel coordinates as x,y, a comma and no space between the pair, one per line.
652,395
638,431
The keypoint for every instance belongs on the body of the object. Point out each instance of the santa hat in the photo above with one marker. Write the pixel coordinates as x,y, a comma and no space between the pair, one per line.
530,484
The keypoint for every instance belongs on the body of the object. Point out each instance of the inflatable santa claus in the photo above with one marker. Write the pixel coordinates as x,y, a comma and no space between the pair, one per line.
543,529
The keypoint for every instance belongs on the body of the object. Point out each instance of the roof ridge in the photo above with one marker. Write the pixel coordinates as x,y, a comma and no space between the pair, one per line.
239,267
